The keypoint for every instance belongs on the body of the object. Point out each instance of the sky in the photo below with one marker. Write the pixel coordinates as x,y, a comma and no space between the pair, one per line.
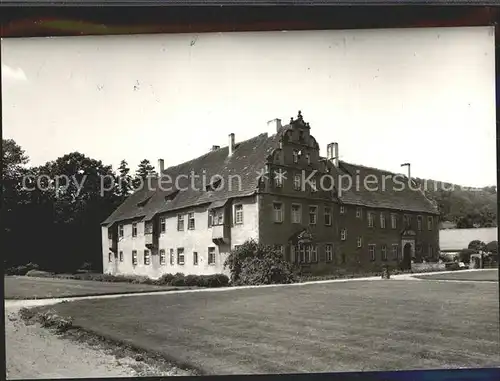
388,96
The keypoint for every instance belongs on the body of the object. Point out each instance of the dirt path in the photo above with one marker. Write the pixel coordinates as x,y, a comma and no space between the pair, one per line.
35,352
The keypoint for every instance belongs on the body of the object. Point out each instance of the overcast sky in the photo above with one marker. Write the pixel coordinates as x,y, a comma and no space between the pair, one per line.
424,96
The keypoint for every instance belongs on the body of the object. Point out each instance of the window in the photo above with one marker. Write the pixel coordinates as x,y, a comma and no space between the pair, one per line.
195,258
382,220
121,256
296,214
148,227
120,231
394,221
295,156
384,252
296,182
278,178
191,222
180,256
215,218
147,258
328,216
395,251
162,225
313,215
359,241
134,230
172,257
110,256
419,222
211,255
370,220
342,209
293,253
238,214
314,253
280,249
134,257
307,249
407,221
431,251
278,212
180,222
371,251
343,234
163,258
358,213
329,252
429,223
314,187
308,158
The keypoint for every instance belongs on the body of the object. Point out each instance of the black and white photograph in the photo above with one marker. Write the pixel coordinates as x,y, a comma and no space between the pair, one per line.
269,202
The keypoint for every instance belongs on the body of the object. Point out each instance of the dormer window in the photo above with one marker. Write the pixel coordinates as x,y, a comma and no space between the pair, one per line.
214,186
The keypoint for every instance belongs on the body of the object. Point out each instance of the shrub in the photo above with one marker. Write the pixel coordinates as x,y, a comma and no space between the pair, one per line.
253,263
39,274
492,247
464,255
164,280
477,245
49,319
178,280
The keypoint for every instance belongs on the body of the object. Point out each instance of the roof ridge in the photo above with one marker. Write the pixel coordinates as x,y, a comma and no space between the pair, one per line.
367,167
165,171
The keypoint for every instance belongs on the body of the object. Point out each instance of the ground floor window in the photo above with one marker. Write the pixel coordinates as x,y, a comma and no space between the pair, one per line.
180,256
211,255
147,258
384,252
121,256
371,251
172,261
134,257
195,258
329,252
162,257
395,251
110,256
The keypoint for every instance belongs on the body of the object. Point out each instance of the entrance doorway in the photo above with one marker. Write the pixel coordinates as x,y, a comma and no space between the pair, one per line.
406,263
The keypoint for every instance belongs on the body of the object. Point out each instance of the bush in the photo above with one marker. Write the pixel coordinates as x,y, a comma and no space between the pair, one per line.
178,280
21,269
464,255
39,274
477,245
253,263
492,247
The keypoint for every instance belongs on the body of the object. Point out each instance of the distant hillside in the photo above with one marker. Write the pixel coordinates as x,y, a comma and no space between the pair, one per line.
464,206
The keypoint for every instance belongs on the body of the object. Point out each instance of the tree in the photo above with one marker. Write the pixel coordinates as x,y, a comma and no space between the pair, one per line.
255,263
477,245
144,170
492,247
124,187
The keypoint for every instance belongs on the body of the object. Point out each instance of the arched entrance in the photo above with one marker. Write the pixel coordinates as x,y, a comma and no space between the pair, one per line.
407,252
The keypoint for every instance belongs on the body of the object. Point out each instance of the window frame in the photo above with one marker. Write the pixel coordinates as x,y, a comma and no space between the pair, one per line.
315,214
275,212
295,156
163,257
382,220
328,253
238,211
342,209
211,250
172,257
419,223
148,256
278,178
181,254
343,234
329,213
383,252
359,212
297,182
135,258
430,223
134,229
191,218
372,251
370,217
394,221
163,225
296,213
314,185
121,230
110,257
180,222
195,258
359,242
120,254
395,254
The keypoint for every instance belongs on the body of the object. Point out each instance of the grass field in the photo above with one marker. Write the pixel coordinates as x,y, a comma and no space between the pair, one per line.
483,275
363,325
23,287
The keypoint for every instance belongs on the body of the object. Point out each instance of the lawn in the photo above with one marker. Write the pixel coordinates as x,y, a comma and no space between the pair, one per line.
483,275
23,287
363,325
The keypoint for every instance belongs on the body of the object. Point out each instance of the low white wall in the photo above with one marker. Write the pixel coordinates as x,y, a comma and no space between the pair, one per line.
427,266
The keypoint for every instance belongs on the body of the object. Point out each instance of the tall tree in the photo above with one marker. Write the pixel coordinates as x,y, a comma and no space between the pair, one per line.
124,186
144,170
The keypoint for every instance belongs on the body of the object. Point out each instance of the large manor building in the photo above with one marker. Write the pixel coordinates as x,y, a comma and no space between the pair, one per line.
322,213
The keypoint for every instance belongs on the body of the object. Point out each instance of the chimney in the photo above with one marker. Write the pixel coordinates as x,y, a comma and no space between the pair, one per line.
273,126
161,166
332,153
231,144
215,148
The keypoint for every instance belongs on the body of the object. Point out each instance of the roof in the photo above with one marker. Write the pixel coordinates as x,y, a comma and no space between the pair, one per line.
248,159
458,239
383,189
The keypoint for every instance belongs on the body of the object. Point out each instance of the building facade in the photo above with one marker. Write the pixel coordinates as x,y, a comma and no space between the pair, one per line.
280,191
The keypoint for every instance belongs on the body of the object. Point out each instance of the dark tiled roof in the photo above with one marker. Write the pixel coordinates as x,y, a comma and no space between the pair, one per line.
248,158
391,193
